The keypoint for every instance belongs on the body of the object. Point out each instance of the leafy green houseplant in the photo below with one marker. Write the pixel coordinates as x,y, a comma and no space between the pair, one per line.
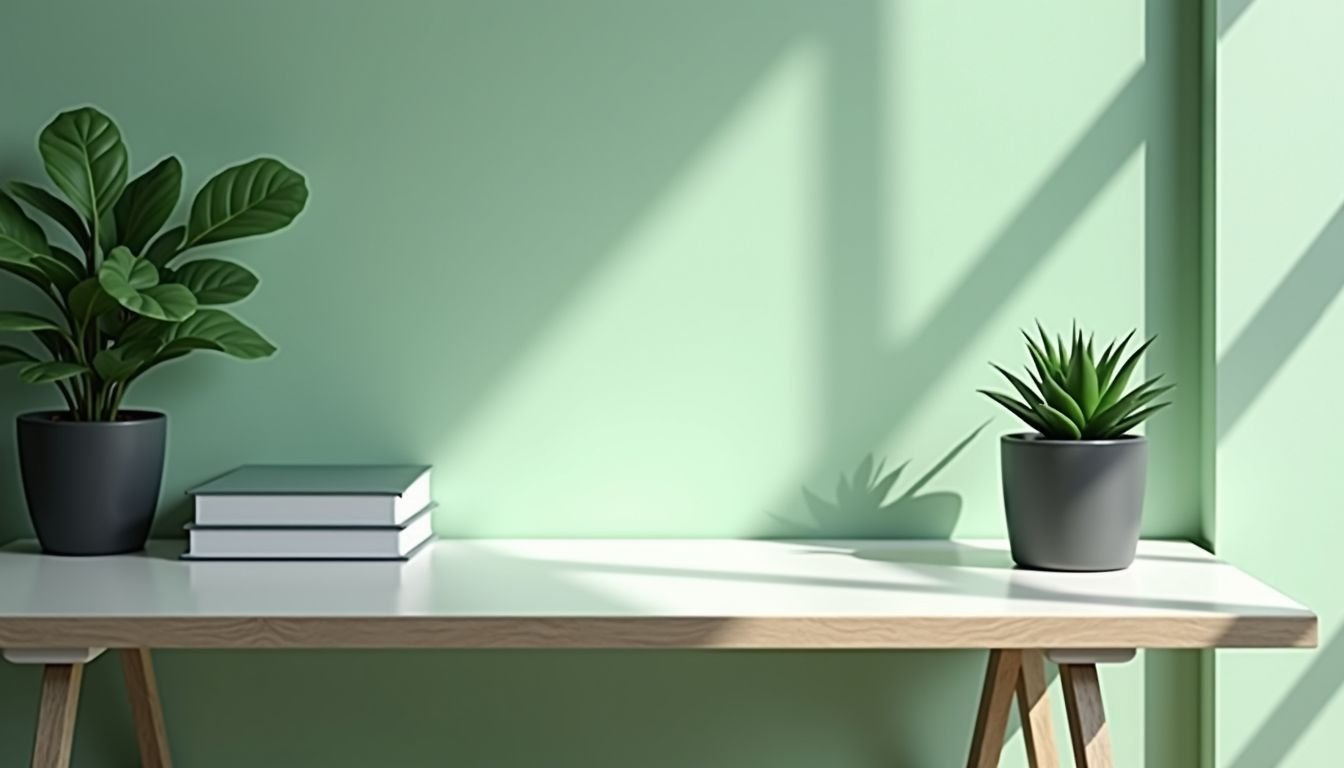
1073,487
1075,395
125,290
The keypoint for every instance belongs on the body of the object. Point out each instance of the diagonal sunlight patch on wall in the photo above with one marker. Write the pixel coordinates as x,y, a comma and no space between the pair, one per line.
974,144
1298,711
1280,325
680,383
1088,182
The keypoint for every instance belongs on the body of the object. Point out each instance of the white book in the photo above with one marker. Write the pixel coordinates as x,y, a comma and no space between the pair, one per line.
296,495
309,543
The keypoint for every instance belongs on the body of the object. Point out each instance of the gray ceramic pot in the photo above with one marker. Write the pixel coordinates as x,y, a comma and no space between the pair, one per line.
92,486
1073,505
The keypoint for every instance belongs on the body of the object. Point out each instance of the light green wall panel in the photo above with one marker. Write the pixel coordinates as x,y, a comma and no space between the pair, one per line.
647,269
1280,238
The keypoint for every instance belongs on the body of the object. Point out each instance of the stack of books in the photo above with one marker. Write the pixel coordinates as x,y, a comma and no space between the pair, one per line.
295,512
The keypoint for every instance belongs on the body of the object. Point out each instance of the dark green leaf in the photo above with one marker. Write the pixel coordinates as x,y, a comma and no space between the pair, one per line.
55,208
84,156
1018,409
1051,353
1043,365
126,360
1083,380
10,355
112,324
1059,426
1117,387
21,239
254,198
49,371
58,271
215,281
133,282
145,328
1135,420
216,329
88,300
71,261
1107,365
107,232
147,203
1026,392
165,246
162,302
54,342
26,321
1063,402
28,273
123,273
1141,395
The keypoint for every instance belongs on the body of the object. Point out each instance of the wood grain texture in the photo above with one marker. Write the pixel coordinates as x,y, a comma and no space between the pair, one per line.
1088,732
1033,707
146,709
969,632
996,701
56,712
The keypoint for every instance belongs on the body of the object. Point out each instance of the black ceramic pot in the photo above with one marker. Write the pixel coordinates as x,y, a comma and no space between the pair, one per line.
1073,505
92,486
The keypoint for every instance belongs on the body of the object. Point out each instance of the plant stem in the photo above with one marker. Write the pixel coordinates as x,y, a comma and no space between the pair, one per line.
69,401
116,401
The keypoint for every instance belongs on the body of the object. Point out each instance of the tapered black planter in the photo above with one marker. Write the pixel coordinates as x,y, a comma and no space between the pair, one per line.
92,486
1074,505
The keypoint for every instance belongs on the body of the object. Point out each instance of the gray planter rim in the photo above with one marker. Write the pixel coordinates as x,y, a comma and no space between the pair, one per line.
1032,438
51,418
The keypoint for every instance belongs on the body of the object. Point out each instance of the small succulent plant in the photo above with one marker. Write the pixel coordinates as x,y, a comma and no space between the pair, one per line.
1076,395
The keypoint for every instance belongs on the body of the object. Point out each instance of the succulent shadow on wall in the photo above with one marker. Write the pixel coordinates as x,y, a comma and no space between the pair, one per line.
862,503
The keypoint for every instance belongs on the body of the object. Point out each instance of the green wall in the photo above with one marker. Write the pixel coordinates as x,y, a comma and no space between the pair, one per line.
645,269
1280,267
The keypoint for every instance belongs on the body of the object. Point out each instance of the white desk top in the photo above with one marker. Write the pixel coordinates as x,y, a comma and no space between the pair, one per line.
645,593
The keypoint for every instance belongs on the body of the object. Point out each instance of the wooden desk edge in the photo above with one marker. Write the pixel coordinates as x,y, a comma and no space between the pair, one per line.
1287,631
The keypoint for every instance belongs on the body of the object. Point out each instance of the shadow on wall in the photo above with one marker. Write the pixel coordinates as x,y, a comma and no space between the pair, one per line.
1300,707
861,508
537,178
1281,324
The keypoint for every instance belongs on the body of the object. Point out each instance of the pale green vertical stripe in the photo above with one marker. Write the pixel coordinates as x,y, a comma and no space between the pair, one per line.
1208,347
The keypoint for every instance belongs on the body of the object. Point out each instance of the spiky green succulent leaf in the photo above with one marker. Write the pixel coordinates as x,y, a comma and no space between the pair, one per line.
1108,361
1082,379
1116,389
1052,353
1028,415
1060,426
1058,398
1038,358
1134,420
1075,395
1138,397
1025,391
